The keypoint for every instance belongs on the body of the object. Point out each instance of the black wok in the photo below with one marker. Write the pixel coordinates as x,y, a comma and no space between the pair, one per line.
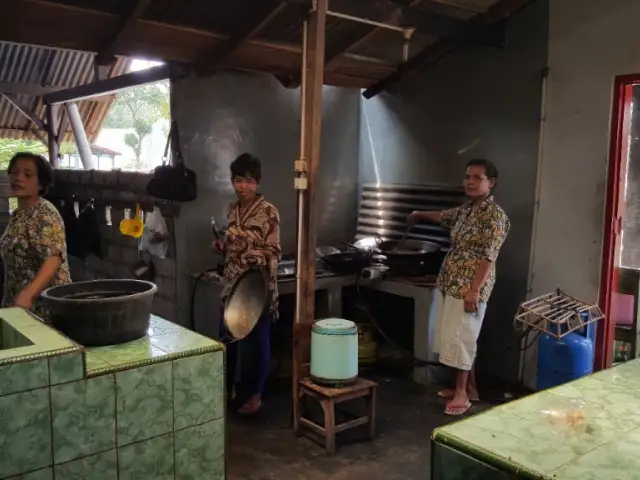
407,247
347,262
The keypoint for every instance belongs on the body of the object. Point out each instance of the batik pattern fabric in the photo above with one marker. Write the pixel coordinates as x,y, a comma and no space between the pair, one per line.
252,239
476,234
33,235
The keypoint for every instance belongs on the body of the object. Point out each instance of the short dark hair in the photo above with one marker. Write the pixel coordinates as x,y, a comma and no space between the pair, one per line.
246,165
490,170
43,169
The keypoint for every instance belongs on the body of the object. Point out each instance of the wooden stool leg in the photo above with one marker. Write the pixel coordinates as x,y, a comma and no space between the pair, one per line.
371,400
329,426
297,413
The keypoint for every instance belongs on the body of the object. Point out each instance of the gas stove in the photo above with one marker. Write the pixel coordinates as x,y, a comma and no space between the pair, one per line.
287,269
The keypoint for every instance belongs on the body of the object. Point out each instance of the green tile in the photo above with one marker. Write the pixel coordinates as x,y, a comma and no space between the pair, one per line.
449,464
129,353
83,418
198,386
103,466
25,432
200,452
182,342
159,326
93,362
21,376
152,459
66,368
44,474
145,403
11,336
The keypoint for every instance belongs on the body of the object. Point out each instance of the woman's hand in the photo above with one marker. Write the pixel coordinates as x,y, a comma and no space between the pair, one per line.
24,299
414,218
471,301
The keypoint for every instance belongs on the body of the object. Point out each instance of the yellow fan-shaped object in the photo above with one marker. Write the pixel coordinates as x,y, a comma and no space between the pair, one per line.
133,227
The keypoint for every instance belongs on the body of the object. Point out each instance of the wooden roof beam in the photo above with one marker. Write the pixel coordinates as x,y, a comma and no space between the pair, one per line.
476,27
245,33
63,26
106,55
334,55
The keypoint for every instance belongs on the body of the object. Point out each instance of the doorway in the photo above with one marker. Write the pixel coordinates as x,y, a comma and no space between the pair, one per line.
621,242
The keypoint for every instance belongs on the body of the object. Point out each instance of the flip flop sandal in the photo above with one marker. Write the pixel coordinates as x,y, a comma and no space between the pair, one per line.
449,394
457,411
251,414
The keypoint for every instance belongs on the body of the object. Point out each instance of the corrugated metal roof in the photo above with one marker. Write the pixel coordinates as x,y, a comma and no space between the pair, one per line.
27,66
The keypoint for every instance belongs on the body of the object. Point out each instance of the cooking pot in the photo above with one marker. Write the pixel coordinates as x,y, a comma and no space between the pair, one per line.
352,261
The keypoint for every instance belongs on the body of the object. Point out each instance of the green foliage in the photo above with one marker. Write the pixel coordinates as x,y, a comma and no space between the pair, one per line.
139,108
9,147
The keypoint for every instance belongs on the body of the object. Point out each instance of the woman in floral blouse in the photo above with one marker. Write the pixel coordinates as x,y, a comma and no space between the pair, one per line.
33,247
478,229
252,239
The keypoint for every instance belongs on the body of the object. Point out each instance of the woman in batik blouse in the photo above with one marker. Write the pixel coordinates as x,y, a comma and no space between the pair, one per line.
33,247
252,238
479,227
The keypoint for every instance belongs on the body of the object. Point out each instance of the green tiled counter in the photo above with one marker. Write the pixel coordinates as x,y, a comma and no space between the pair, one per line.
588,429
148,409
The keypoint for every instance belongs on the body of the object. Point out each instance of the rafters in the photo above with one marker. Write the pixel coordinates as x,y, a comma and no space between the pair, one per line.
444,46
106,55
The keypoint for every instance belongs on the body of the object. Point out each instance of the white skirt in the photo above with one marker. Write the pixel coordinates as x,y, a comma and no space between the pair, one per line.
456,332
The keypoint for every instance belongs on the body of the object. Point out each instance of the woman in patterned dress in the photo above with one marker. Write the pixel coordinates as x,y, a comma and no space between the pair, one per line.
252,238
33,247
479,227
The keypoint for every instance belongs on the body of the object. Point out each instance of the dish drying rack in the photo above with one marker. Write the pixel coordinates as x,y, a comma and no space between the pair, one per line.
557,314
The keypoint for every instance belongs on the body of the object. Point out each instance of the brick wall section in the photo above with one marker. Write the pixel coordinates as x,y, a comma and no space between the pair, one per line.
116,192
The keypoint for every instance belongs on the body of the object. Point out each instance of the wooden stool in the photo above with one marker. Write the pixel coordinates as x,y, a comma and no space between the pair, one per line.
329,397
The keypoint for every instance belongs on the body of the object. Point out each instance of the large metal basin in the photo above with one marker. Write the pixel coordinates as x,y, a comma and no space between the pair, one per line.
101,312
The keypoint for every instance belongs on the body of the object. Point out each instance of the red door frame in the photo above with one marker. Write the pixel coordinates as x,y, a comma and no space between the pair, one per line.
614,209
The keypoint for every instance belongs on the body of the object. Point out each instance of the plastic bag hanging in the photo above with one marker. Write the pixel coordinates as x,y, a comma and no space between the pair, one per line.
155,238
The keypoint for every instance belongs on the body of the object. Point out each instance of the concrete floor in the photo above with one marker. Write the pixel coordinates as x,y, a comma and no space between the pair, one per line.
265,448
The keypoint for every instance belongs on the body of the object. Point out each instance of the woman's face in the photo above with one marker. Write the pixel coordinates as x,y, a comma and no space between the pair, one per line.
245,187
23,178
476,184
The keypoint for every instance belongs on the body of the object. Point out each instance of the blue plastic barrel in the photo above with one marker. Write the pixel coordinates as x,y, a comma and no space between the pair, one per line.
566,359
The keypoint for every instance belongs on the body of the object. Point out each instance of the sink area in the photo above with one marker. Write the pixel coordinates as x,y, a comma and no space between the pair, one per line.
140,409
11,338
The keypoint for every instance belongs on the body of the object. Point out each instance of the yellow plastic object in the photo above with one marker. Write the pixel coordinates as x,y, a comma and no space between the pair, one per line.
133,227
367,345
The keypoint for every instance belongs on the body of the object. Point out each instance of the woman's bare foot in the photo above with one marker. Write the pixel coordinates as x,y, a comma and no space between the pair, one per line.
450,392
252,406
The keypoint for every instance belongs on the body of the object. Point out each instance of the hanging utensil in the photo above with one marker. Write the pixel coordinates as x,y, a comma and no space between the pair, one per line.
404,237
133,227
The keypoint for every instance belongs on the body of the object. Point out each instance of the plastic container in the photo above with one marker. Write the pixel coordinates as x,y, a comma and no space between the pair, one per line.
566,359
101,312
334,352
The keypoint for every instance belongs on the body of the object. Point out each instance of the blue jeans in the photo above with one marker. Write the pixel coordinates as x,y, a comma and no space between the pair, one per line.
259,345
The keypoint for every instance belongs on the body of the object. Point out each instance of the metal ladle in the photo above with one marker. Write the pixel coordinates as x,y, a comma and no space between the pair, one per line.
403,238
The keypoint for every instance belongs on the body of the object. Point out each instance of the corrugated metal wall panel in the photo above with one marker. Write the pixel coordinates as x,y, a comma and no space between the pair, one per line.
34,66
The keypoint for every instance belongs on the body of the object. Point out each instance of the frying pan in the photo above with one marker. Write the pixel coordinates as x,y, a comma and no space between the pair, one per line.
407,247
246,303
347,262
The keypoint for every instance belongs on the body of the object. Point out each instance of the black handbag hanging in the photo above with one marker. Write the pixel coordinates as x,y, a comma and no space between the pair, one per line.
172,180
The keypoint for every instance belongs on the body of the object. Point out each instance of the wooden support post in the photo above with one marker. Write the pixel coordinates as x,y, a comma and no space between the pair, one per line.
311,122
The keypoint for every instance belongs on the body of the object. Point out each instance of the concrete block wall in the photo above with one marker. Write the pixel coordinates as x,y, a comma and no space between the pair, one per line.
115,195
